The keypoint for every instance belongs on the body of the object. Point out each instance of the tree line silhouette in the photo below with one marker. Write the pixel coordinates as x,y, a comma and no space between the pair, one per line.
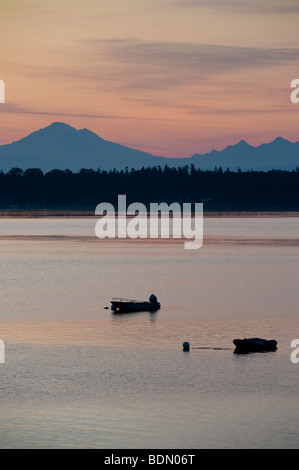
219,189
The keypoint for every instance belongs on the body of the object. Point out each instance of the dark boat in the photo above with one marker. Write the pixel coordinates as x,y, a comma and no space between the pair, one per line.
254,345
122,305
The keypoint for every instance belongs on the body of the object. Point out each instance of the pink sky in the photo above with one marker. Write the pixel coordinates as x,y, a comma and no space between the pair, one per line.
171,77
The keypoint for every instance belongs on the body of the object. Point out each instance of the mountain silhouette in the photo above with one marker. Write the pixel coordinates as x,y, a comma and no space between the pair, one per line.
60,146
279,155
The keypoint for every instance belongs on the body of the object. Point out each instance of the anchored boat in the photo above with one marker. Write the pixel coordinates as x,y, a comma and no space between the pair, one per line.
123,305
254,345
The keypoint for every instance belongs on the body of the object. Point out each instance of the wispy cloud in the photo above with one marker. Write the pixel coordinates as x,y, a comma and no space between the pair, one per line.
15,109
160,65
11,108
268,7
138,65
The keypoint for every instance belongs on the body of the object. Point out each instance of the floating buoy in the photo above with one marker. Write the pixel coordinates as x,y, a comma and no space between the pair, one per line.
186,346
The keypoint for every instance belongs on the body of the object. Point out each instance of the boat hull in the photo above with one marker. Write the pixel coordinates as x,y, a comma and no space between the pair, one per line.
127,307
254,345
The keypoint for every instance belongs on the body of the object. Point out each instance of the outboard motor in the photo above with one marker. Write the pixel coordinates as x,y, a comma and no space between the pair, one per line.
153,299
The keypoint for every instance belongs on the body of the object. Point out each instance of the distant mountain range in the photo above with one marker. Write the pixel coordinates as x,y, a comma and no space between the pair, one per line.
60,146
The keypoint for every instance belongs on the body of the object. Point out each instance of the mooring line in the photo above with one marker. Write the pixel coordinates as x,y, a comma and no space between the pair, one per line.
216,349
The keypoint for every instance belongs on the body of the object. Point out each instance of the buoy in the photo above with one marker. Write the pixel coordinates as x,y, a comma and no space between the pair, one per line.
186,346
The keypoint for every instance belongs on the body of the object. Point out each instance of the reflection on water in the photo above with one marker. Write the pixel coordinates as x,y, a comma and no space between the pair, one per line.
107,397
79,375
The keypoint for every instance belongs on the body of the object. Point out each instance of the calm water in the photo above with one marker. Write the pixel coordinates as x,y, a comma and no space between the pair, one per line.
76,375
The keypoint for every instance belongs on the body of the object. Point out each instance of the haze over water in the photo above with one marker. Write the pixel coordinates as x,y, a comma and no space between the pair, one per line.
78,375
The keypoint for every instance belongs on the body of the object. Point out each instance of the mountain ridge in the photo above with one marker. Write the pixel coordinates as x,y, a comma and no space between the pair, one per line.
61,146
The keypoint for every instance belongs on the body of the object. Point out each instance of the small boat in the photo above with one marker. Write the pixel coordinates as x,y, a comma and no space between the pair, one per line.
123,305
254,345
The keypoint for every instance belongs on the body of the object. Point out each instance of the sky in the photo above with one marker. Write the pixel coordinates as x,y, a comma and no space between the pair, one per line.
170,77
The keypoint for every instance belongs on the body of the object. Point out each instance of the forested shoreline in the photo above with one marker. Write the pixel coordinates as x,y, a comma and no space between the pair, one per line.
219,189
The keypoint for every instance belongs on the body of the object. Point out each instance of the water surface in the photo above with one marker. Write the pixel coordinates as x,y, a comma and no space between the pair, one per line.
78,375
